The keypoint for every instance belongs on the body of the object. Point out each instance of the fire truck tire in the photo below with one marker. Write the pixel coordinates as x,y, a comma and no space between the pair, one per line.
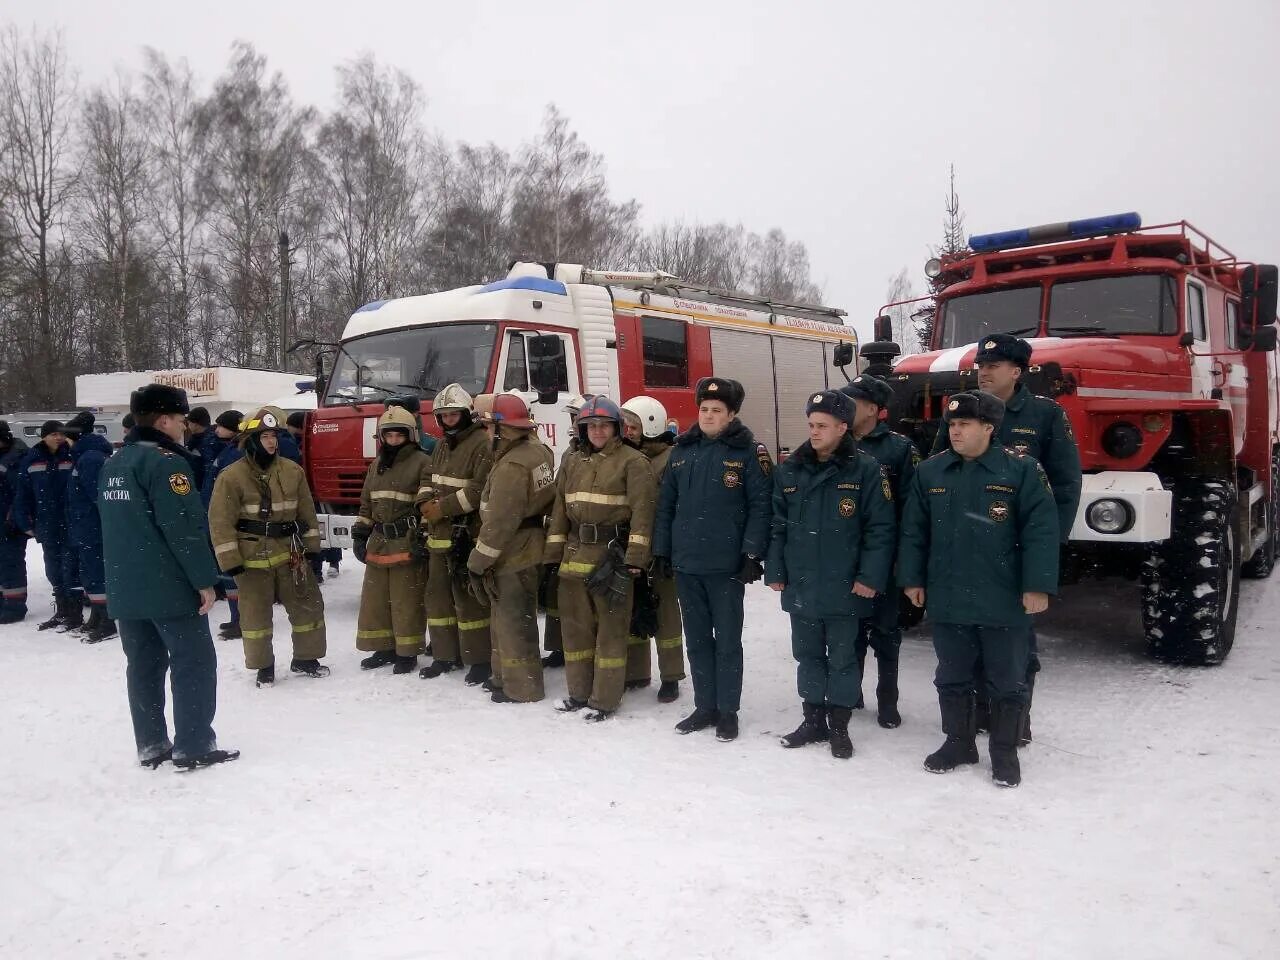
1260,565
1191,582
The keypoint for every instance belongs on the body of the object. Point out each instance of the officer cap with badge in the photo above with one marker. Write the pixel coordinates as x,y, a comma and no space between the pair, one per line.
831,402
866,387
1004,346
729,392
974,405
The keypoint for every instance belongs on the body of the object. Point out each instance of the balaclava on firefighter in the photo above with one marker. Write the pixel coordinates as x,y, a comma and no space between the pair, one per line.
268,418
453,399
395,420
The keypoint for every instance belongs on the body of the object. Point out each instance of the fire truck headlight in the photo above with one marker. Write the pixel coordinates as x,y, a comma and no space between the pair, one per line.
932,267
1109,516
1121,440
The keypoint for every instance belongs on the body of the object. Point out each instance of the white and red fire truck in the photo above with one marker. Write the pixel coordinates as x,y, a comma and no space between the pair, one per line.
1160,345
549,331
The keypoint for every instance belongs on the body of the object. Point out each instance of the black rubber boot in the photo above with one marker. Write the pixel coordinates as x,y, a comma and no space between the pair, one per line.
153,763
379,658
489,686
727,726
477,674
405,664
553,659
91,624
961,745
73,618
59,615
266,676
637,684
861,648
1006,727
841,745
230,632
698,720
500,696
206,760
570,705
1032,669
812,729
887,692
596,716
436,668
309,668
669,692
105,630
228,625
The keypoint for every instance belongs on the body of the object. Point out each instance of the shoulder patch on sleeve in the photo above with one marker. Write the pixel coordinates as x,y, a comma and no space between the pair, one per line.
180,484
766,462
885,487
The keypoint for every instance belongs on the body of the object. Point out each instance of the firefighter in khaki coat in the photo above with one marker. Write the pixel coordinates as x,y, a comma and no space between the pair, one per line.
262,522
600,536
503,566
549,592
644,422
456,622
384,538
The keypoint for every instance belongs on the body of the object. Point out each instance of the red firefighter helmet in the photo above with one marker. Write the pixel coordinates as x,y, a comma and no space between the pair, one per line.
510,411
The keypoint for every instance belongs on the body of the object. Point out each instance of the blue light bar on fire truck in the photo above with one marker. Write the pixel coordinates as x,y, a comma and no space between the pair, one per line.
1055,232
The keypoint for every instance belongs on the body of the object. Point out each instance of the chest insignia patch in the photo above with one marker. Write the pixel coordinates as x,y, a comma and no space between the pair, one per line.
1000,488
789,489
998,511
1028,430
937,489
848,486
847,507
732,479
179,484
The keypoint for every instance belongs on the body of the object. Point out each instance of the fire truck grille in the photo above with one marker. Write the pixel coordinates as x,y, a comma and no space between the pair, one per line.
339,482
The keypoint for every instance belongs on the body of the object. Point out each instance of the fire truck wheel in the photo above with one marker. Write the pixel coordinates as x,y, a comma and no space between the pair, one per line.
1260,565
1191,582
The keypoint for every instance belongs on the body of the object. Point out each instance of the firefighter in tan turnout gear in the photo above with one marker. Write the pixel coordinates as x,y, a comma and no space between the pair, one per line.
262,522
549,594
600,536
644,424
456,622
503,566
385,538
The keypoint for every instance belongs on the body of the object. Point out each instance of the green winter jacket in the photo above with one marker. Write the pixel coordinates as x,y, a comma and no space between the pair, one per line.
977,534
1038,427
155,540
832,526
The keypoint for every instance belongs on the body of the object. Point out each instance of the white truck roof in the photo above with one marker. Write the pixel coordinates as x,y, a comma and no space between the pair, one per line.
217,389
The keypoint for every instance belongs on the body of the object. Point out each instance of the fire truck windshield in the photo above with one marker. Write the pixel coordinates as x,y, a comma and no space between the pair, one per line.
970,318
419,360
1110,306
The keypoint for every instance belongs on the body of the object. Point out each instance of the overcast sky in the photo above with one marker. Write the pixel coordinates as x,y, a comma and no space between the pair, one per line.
834,121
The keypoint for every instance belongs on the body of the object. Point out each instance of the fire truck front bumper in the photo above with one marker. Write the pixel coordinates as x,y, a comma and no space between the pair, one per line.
1122,507
335,530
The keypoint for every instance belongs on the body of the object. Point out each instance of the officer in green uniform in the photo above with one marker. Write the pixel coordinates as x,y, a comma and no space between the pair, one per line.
1037,427
830,554
979,549
869,396
160,574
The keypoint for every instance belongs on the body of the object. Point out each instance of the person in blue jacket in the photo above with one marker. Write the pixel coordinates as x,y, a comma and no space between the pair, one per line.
84,529
225,430
712,530
13,541
830,556
40,511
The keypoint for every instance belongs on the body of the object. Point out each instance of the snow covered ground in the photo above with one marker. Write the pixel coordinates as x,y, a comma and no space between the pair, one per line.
380,816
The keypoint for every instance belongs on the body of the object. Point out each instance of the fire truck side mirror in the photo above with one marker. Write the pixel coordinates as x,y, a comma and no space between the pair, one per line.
1258,284
1263,339
842,355
546,355
884,327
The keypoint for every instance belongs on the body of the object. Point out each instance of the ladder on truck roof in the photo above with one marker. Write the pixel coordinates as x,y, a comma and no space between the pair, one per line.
669,285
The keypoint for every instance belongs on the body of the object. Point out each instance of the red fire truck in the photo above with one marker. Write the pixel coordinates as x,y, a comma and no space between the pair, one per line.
548,331
1160,345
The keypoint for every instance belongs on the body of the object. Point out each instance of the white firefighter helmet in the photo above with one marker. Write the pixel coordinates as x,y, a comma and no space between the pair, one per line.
575,403
452,397
651,414
398,418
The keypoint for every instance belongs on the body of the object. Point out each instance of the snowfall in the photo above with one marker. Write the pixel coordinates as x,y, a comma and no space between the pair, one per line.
375,816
